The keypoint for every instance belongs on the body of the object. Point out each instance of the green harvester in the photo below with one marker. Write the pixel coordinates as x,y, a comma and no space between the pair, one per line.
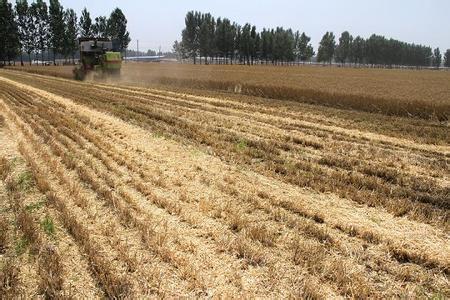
100,57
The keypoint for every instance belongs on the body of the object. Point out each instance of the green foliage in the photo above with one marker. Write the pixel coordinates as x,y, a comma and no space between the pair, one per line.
230,42
71,33
241,145
283,44
57,27
48,226
357,50
381,51
43,27
35,206
438,296
39,28
158,135
447,58
42,20
344,48
245,43
326,48
190,34
437,58
85,24
22,19
100,27
224,38
303,48
206,35
266,45
21,246
178,49
25,181
117,29
9,32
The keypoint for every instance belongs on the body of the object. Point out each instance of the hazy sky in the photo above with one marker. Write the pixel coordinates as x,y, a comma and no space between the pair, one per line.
159,23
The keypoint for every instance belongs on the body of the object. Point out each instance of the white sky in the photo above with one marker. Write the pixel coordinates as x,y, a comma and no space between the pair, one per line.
159,23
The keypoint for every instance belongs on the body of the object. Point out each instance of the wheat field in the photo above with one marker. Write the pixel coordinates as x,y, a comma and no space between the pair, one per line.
405,93
169,184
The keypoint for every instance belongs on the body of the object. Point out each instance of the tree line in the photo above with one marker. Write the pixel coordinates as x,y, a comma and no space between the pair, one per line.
228,42
222,41
376,50
40,28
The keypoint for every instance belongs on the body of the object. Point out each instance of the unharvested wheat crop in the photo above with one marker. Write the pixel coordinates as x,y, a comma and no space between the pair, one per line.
133,191
406,93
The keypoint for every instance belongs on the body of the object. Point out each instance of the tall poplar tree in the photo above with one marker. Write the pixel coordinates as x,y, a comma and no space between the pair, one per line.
117,29
206,36
22,18
437,58
357,50
9,33
85,24
100,27
305,49
71,34
190,34
56,18
42,30
327,48
447,58
344,48
29,34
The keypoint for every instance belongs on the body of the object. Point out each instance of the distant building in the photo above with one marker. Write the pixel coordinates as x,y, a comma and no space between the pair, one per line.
155,58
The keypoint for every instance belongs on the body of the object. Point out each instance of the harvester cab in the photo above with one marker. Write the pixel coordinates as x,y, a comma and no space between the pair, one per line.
98,56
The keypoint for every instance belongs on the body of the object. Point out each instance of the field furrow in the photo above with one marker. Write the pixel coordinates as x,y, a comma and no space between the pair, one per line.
62,268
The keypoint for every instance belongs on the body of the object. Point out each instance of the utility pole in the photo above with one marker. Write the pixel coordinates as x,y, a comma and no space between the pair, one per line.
137,42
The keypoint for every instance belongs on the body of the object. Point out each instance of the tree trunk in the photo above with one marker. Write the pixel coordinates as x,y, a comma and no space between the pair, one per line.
21,58
29,57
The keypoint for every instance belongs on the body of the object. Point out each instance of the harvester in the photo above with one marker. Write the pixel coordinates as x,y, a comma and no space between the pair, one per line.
100,57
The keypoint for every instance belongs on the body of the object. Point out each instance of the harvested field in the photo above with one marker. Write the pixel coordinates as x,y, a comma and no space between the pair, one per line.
133,191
